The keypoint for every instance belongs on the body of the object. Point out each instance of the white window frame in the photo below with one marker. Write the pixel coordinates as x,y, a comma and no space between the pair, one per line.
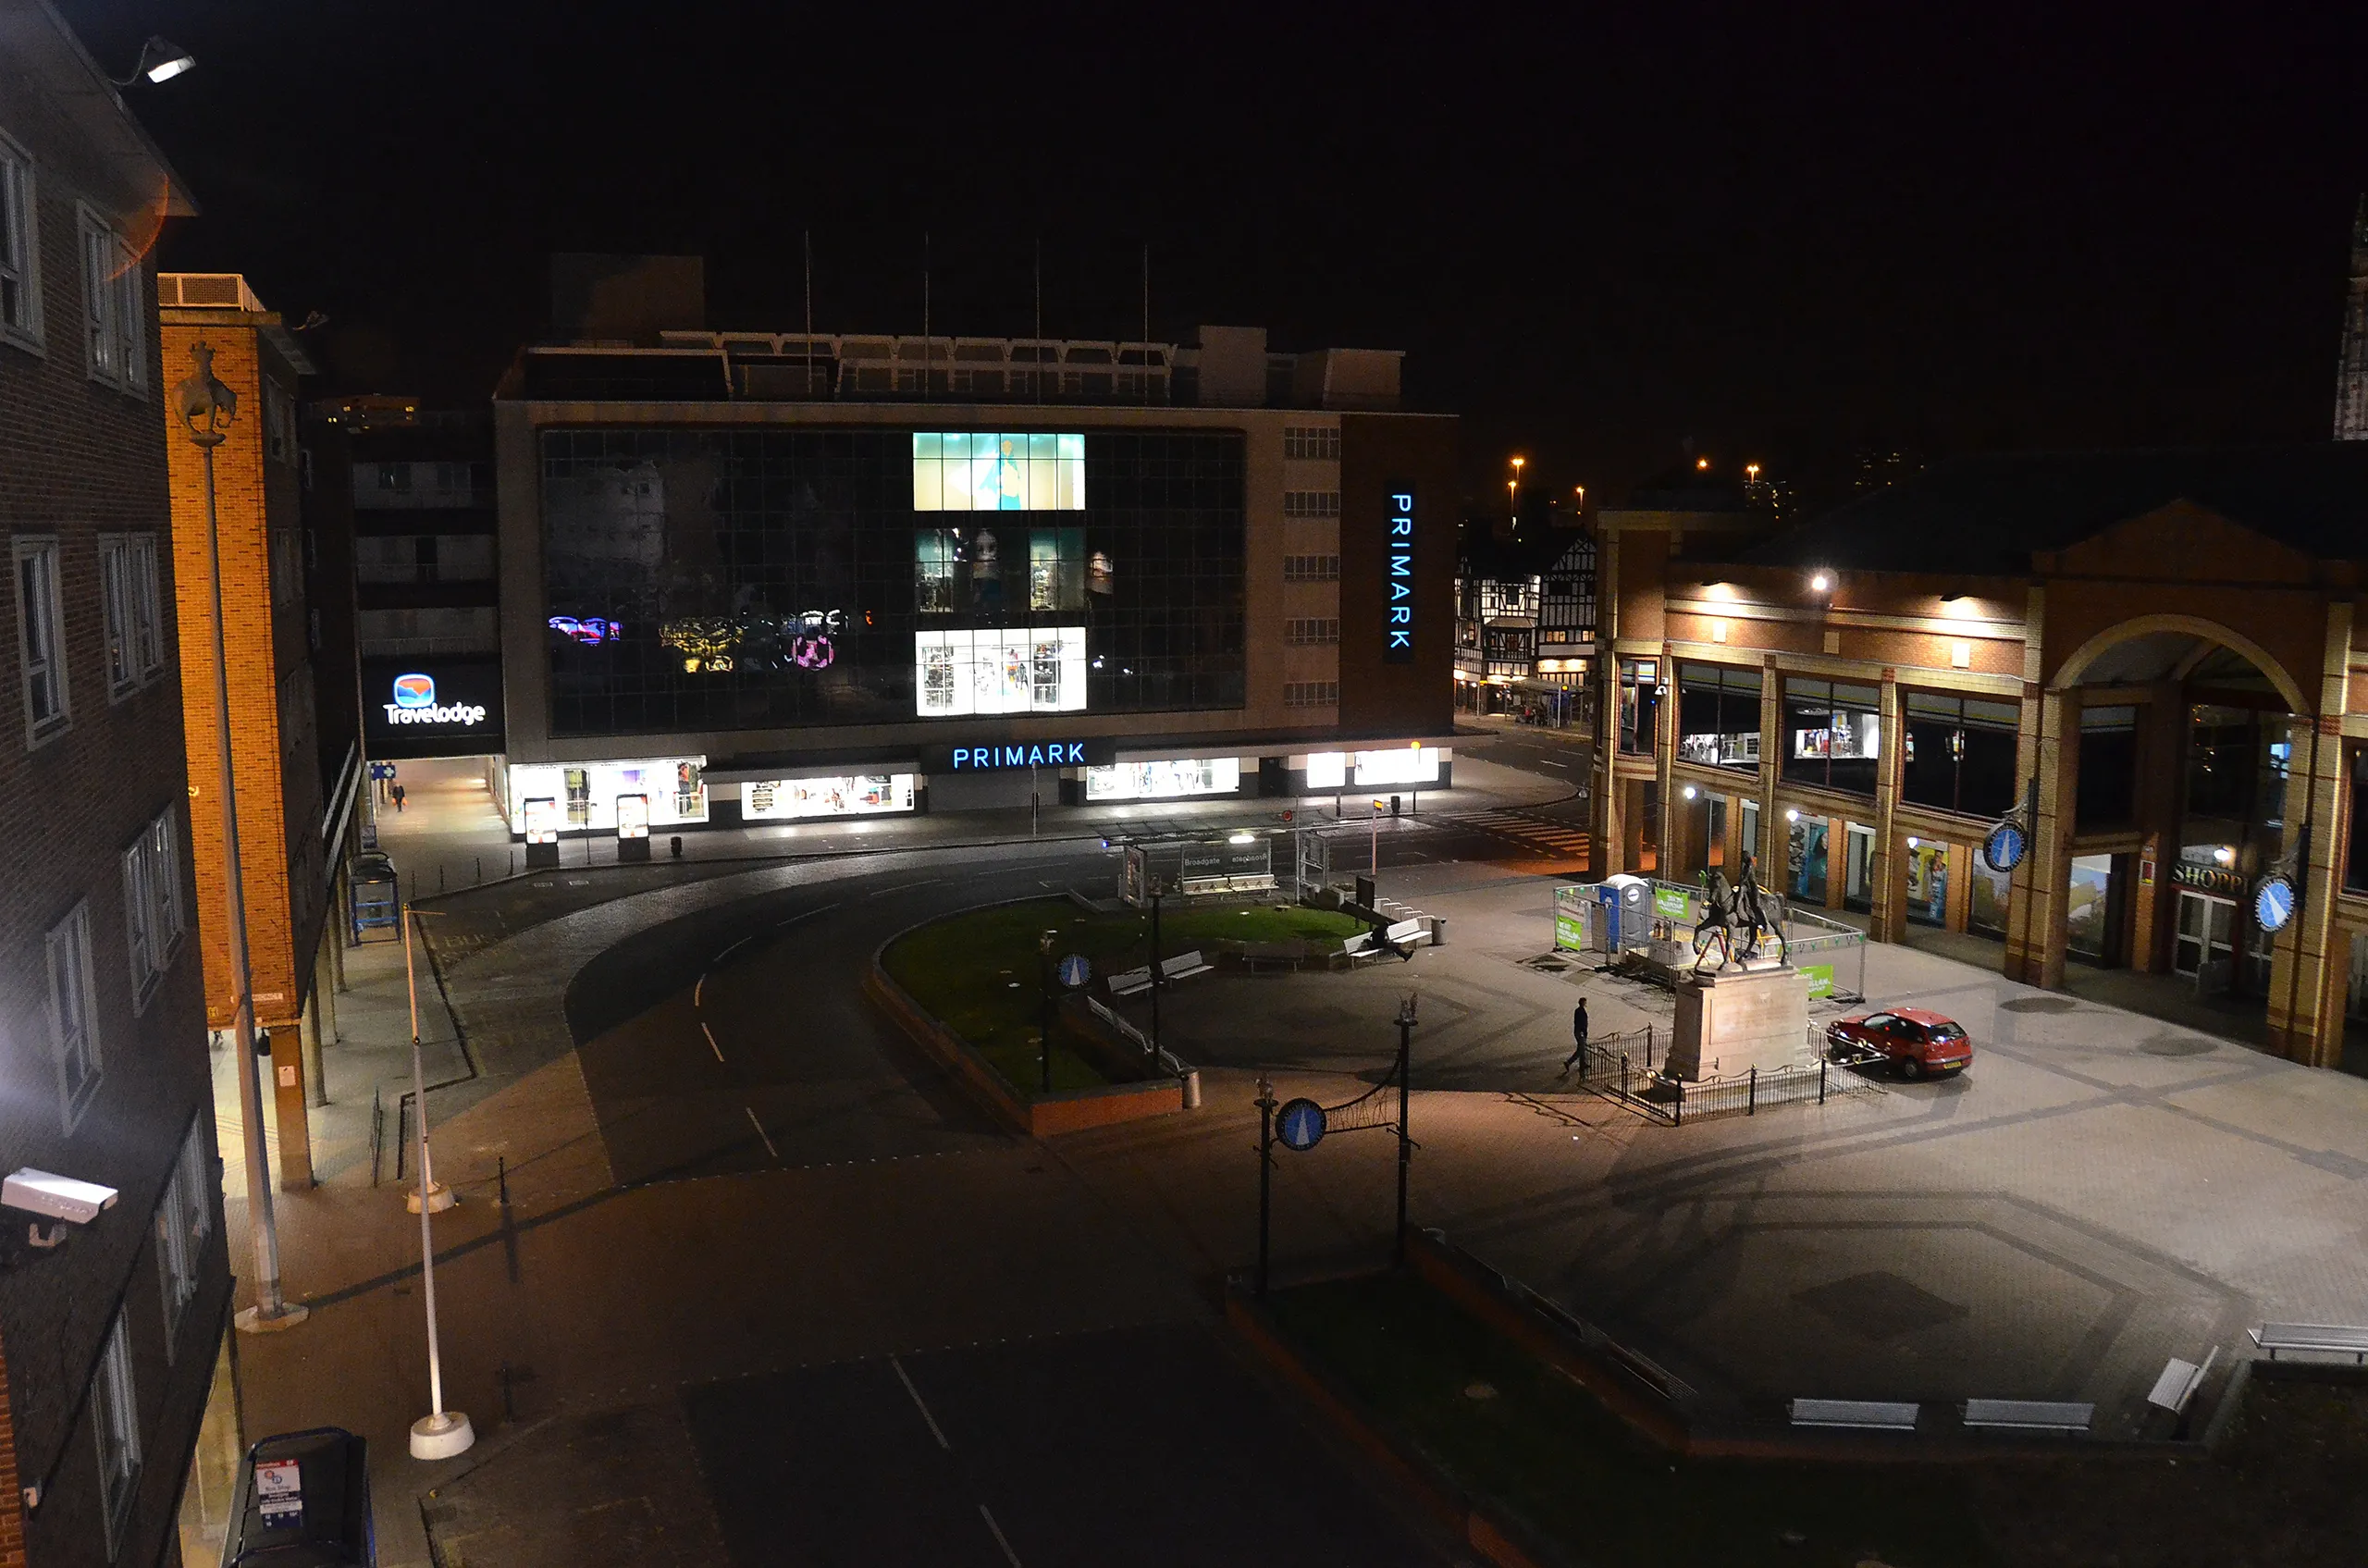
118,615
73,1016
148,586
19,248
152,919
40,637
114,304
184,1220
115,1422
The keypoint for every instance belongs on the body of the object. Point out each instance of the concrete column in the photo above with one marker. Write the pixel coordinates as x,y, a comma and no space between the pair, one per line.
1772,765
288,1100
1887,917
2307,973
316,1085
325,982
1666,854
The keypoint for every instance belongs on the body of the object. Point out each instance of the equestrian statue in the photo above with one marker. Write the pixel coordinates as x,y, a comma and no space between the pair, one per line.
1735,917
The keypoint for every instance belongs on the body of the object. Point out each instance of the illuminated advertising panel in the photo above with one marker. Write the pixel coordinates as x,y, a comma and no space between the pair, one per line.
1165,780
1397,579
431,707
1011,670
980,471
587,794
1399,765
633,816
542,820
863,794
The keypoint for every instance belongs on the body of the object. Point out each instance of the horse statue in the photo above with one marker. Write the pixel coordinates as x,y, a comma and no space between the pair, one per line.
1735,917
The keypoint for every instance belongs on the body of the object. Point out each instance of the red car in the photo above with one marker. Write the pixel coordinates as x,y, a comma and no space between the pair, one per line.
1912,1040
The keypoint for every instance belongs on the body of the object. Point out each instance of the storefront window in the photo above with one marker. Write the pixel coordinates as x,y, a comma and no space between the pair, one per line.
1832,734
1985,911
2108,789
1164,780
2355,856
1960,753
1804,862
1639,705
1858,868
865,794
2088,917
1749,837
1928,883
1717,716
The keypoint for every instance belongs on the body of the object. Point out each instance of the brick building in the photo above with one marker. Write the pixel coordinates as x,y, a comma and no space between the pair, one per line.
112,1341
2145,661
295,804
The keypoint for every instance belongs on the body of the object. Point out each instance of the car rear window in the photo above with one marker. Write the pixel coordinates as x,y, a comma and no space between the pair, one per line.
1945,1032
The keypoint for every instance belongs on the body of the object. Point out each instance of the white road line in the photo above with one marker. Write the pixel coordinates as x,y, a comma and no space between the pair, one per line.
1008,1555
883,892
1545,763
807,916
934,1430
761,1132
729,951
697,991
710,1039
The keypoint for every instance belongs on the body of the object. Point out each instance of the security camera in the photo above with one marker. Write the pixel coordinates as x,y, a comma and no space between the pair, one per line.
58,1199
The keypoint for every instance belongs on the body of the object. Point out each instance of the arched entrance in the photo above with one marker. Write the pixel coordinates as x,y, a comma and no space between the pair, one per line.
2175,758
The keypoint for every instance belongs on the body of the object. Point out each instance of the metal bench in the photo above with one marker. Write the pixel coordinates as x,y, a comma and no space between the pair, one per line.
1128,982
2323,1338
2029,1415
1878,1416
1183,966
1262,955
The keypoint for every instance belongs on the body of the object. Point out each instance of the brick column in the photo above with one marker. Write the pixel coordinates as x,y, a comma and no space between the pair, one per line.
12,1497
2035,939
2305,1009
1771,764
1887,918
293,1115
1665,854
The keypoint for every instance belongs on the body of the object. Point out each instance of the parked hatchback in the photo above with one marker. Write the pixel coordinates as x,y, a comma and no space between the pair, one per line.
1913,1041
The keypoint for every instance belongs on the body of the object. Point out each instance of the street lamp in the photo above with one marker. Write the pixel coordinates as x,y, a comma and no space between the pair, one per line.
1513,491
1045,983
160,60
440,1433
207,408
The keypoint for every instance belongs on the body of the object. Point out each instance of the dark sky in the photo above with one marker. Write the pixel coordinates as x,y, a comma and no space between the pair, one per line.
1782,231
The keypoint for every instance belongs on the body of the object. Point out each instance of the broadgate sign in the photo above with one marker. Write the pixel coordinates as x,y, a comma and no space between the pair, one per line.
414,703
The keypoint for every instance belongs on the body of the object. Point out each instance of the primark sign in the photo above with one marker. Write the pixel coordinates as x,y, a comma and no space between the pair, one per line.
1398,575
996,757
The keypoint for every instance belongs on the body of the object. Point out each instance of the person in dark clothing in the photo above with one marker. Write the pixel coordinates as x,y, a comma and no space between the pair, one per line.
399,799
1578,1034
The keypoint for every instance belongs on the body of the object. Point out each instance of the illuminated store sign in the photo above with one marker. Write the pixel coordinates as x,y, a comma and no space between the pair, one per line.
980,471
415,703
668,792
987,756
590,630
863,794
1399,646
1015,670
430,708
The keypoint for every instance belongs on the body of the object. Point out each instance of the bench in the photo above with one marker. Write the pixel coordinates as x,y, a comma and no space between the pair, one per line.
1258,954
1126,982
1130,982
2179,1381
1871,1414
2029,1415
2325,1339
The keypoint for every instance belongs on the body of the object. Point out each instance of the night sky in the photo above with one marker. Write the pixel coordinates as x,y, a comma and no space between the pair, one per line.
1781,232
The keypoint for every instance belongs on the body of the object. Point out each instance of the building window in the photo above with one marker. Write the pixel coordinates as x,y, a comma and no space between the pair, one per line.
287,566
1311,694
39,646
1311,569
131,609
1318,443
184,1219
1308,630
1311,503
2106,793
1639,705
19,250
976,471
1717,716
114,306
152,918
279,422
73,1015
1832,734
114,1417
1959,753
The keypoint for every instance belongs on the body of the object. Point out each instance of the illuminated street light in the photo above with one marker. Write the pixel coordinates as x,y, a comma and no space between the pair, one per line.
1512,489
1793,816
1702,464
160,60
1823,582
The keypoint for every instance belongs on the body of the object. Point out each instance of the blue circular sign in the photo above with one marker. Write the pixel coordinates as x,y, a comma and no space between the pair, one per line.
1299,1125
2004,849
2273,903
1074,971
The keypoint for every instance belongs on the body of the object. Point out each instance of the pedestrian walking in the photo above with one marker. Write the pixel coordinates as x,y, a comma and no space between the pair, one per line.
1578,1034
399,799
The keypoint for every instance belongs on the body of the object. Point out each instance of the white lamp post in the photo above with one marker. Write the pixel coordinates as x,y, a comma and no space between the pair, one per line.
440,1433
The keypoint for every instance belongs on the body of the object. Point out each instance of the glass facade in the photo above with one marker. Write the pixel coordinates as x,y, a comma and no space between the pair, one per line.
1832,734
781,578
1717,716
1960,753
2106,792
1639,705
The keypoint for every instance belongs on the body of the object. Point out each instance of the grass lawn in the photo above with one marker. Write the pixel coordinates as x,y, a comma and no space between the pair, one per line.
1542,1450
979,972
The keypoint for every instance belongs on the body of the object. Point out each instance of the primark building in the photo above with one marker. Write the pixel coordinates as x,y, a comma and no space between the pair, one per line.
750,577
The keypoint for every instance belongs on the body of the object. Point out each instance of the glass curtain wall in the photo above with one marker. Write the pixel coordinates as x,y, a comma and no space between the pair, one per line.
1832,734
1639,705
1960,753
1717,716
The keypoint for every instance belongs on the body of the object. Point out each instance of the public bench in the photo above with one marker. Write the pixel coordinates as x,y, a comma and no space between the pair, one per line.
1871,1414
2326,1339
2029,1415
1395,941
1270,955
1130,983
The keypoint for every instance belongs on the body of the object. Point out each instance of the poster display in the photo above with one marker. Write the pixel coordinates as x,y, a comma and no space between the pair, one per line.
861,795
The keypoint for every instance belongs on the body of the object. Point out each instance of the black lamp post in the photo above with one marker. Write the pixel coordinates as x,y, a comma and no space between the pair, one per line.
1044,986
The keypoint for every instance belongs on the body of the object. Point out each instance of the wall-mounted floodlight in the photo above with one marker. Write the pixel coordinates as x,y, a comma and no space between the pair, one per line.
1689,791
160,60
1793,816
1821,582
1241,838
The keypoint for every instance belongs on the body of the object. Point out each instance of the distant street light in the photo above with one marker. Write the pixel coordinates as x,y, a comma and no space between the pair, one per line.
207,408
160,60
1512,490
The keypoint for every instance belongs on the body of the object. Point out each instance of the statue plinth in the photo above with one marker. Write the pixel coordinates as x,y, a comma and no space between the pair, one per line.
1732,1019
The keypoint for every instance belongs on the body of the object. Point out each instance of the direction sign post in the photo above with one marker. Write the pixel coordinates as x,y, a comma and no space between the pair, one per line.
1299,1125
1074,971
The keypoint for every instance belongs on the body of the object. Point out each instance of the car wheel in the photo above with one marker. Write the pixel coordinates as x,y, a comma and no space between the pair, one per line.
1910,1069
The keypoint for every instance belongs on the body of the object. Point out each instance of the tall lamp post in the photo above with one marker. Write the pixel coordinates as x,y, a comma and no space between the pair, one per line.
207,408
440,1433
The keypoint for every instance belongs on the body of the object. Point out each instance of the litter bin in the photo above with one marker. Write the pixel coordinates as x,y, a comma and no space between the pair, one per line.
303,1502
1438,930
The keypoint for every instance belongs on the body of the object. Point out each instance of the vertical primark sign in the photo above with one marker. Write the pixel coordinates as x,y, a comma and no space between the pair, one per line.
1398,624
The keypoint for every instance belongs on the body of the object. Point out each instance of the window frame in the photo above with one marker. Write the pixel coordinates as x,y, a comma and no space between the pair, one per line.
114,1414
1726,690
1798,770
114,341
71,938
153,918
184,1224
48,618
1918,710
20,248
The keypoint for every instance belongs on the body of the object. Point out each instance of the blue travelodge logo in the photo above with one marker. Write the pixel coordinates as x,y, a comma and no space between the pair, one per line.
414,691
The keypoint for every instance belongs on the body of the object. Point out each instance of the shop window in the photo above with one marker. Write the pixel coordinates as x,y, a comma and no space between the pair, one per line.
1717,716
1832,734
1928,883
981,472
1959,753
1639,705
2355,856
1986,899
1056,569
2089,911
1858,868
2107,793
1805,859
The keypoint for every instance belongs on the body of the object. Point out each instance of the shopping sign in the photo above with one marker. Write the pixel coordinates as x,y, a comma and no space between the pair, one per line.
414,703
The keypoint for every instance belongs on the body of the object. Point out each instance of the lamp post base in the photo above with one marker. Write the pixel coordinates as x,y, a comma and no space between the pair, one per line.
251,1320
441,1436
439,1198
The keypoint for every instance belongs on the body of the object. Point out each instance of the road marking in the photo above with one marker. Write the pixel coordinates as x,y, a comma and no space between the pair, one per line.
1008,1555
729,951
761,1132
807,916
710,1039
697,991
934,1430
1545,763
883,892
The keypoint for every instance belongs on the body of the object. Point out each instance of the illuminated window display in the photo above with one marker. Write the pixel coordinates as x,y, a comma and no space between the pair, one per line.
586,793
1029,670
1399,764
975,471
1164,780
862,796
1833,734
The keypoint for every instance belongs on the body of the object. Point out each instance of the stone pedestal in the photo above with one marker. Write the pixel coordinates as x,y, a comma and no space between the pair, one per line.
1732,1020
